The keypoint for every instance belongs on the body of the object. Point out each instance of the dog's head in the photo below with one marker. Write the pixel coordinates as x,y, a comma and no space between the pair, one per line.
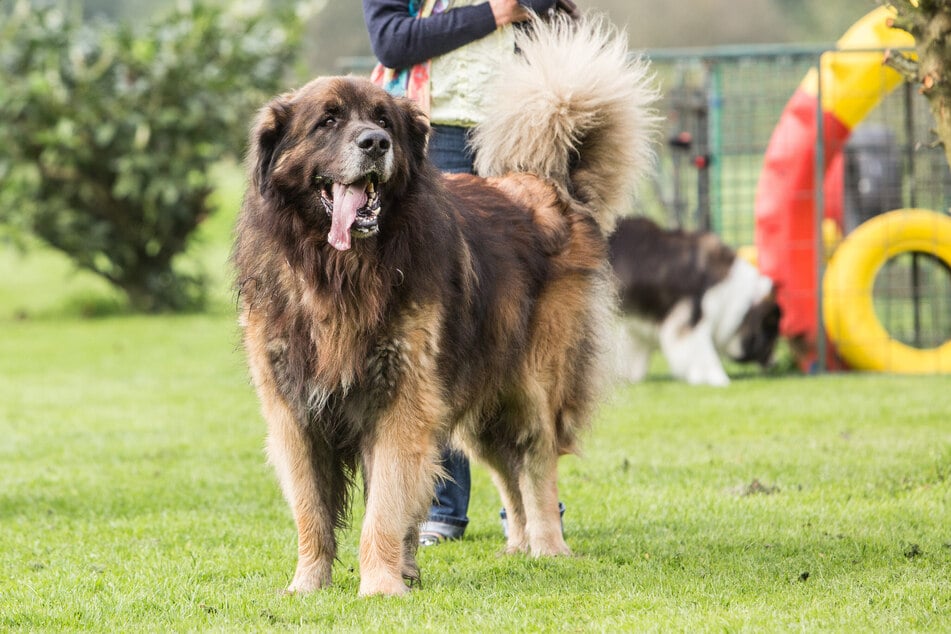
336,151
759,331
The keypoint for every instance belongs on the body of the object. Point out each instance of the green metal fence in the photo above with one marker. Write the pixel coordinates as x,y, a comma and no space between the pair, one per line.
728,100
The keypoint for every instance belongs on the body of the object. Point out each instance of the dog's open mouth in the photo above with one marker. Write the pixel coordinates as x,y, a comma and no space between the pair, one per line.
354,208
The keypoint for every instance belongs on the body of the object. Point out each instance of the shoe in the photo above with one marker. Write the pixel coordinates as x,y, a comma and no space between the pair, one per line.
430,538
505,521
435,533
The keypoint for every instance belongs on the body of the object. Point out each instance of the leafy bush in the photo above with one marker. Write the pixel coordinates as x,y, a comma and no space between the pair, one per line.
107,133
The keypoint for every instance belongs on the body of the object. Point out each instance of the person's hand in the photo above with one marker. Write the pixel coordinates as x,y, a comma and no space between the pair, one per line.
508,11
569,7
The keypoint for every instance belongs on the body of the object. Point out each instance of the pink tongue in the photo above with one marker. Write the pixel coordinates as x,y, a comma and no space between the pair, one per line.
347,199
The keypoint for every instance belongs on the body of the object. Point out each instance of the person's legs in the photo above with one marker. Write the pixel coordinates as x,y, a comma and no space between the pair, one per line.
447,515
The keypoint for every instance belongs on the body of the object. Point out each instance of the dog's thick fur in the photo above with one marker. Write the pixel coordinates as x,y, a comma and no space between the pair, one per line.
690,295
464,309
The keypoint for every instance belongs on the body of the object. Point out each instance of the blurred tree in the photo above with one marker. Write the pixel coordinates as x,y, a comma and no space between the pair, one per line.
107,133
929,22
120,10
335,32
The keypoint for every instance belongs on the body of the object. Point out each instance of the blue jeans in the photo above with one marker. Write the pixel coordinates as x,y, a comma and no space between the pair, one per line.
447,514
449,151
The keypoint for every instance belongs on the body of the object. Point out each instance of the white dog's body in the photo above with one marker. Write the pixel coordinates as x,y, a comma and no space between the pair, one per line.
691,297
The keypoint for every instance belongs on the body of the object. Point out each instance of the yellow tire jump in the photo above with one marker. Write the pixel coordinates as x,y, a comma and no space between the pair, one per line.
847,307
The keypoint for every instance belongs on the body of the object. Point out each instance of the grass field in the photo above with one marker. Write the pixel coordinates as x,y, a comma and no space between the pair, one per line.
134,494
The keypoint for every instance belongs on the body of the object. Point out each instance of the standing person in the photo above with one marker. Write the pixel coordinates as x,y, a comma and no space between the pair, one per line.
447,52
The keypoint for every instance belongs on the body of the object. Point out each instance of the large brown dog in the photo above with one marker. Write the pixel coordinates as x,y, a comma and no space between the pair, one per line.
388,309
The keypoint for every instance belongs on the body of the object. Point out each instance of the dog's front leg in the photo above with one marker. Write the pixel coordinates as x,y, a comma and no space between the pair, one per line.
401,467
311,477
315,488
400,451
400,457
689,348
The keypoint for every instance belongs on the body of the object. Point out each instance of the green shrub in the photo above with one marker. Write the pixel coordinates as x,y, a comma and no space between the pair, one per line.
107,133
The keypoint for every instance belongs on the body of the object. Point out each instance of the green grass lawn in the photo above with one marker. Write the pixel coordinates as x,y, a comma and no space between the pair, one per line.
134,494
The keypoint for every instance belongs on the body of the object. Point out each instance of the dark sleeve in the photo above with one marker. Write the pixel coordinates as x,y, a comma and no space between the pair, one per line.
399,40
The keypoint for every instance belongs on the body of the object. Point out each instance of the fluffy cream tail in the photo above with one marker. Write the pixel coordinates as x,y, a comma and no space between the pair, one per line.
575,107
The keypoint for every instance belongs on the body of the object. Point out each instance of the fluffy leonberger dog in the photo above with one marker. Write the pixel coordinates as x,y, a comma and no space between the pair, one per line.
388,309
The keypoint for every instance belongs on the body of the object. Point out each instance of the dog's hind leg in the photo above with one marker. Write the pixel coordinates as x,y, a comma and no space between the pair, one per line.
504,472
529,491
633,353
538,483
522,459
511,445
538,473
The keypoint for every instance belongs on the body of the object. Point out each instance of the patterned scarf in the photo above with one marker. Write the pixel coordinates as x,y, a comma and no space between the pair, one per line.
410,82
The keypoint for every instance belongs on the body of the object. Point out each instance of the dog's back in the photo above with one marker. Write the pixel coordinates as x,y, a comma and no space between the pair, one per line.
656,268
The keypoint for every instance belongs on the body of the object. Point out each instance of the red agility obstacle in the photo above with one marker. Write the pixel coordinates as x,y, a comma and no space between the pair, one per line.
853,81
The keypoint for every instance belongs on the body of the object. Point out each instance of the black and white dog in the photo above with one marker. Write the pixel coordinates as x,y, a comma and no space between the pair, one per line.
690,295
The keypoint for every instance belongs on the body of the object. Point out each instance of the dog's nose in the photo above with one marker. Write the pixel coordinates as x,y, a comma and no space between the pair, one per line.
375,143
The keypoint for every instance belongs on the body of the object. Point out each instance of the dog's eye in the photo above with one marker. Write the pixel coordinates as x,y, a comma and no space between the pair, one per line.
327,121
383,122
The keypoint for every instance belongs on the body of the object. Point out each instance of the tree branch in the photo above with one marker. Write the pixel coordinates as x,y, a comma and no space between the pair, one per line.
905,65
902,22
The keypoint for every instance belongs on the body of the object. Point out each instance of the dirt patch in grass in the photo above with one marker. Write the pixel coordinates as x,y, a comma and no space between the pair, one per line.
755,488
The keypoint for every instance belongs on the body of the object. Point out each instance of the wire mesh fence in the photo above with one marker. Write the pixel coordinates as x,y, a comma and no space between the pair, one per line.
721,107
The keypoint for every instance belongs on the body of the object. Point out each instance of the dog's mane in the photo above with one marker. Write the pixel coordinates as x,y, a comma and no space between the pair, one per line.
291,269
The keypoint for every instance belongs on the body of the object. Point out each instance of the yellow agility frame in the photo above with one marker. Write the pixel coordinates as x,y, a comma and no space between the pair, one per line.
847,308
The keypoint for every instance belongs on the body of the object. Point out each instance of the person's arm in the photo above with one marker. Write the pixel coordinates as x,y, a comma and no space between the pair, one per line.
399,40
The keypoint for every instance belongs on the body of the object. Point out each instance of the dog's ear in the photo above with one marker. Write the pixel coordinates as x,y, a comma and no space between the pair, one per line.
267,135
417,123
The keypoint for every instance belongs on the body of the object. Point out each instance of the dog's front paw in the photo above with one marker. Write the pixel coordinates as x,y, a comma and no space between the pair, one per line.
411,575
385,585
550,548
714,376
307,580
